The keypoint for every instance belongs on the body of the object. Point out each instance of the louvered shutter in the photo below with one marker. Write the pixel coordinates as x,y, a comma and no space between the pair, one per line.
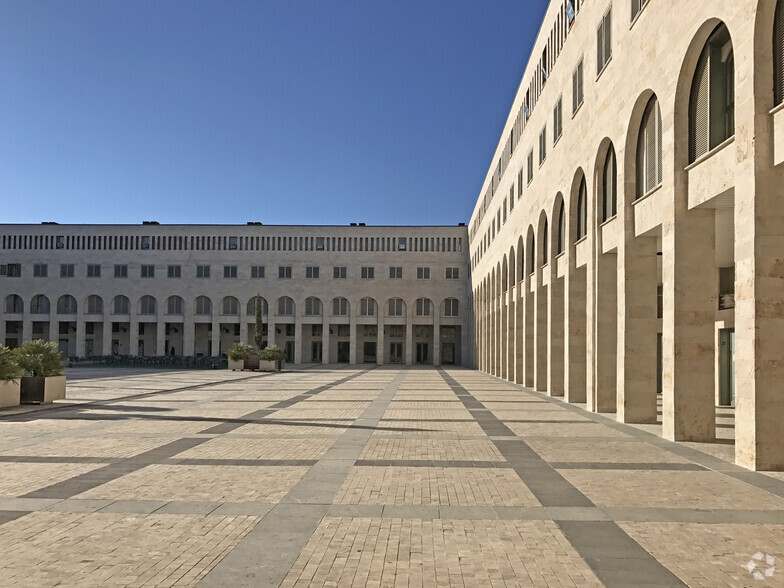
699,109
778,52
650,147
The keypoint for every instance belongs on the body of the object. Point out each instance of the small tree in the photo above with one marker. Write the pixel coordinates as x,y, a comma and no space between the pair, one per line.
272,353
258,338
40,359
8,368
239,352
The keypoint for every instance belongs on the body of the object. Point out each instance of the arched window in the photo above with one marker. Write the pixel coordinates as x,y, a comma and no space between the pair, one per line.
367,307
39,304
285,306
423,307
121,305
147,305
396,307
582,211
312,306
545,236
609,190
712,99
532,256
649,149
203,305
561,228
778,53
231,306
174,305
340,307
14,304
66,305
94,304
451,307
251,308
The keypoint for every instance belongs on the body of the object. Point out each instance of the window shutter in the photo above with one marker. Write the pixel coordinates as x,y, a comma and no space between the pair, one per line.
607,36
699,109
599,48
580,82
574,91
650,147
635,8
778,52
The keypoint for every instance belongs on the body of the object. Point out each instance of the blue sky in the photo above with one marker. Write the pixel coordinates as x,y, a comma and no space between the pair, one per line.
284,112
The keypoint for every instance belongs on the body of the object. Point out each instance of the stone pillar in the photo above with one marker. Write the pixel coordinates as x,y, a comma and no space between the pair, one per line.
637,329
606,324
271,332
380,342
27,328
529,334
541,332
244,329
160,339
133,332
690,300
2,327
54,328
410,338
298,336
520,335
555,360
188,335
80,332
437,339
575,332
325,339
503,332
106,344
352,345
216,350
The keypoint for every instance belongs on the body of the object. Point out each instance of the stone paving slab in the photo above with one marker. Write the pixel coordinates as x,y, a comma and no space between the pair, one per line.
357,475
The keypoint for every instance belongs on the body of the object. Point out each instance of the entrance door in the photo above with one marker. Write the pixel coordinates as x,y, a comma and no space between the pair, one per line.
396,352
315,351
369,350
290,351
448,353
727,367
421,352
63,346
344,352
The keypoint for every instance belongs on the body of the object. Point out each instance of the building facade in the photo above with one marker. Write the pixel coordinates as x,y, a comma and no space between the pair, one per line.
351,294
629,236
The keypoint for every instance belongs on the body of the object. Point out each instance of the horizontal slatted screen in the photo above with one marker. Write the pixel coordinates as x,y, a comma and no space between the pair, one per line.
699,115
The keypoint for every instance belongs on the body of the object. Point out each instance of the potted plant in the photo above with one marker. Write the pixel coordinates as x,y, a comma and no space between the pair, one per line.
271,359
42,367
9,378
237,356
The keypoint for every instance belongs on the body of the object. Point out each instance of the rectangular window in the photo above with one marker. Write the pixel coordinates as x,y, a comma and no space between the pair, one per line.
93,270
530,166
637,6
174,271
148,271
451,307
604,41
401,244
145,242
423,307
312,271
233,243
558,120
395,307
367,273
570,11
520,184
577,87
202,271
40,270
229,271
543,145
121,271
340,307
319,243
66,270
423,273
395,273
257,271
452,273
59,242
339,272
284,272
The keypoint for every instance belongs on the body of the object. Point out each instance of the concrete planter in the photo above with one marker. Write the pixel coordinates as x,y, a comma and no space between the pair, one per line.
42,390
238,365
10,391
270,366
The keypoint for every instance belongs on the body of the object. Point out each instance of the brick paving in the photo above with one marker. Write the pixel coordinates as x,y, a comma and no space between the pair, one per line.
364,476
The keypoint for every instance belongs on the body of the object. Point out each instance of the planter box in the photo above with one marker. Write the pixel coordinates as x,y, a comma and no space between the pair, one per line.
10,391
236,365
270,366
42,390
252,362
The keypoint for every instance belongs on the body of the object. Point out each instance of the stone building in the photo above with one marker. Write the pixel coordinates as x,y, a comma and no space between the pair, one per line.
629,235
330,294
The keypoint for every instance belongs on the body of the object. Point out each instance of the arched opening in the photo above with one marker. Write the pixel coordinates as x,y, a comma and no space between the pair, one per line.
147,305
561,241
582,210
121,305
203,306
712,98
39,304
649,149
66,304
609,185
175,305
285,306
94,305
230,306
312,306
14,304
251,307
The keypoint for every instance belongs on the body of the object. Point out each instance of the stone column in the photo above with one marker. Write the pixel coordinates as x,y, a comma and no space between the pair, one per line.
606,324
54,328
80,332
503,331
271,333
2,327
541,332
298,335
27,328
160,339
244,328
325,339
380,342
520,335
352,345
215,336
106,344
555,360
575,332
410,339
133,332
188,334
529,334
437,339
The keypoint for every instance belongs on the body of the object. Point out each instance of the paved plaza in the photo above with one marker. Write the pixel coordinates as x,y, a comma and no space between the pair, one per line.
365,476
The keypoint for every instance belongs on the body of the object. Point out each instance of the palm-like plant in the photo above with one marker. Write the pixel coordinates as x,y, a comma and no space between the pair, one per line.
272,353
40,359
9,370
239,351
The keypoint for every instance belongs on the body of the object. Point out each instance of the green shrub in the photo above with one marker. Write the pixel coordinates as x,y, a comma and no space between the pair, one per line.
273,353
240,352
9,370
40,359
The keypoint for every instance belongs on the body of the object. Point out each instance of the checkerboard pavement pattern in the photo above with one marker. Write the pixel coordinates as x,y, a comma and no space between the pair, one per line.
364,476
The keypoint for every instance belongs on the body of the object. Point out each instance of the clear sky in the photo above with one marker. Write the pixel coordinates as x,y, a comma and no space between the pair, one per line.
279,111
